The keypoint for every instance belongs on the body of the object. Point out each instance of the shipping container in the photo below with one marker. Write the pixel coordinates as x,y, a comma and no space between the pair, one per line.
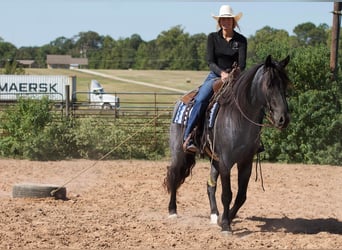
12,87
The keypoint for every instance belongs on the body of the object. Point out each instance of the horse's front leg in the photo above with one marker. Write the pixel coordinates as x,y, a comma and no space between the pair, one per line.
211,190
226,198
244,174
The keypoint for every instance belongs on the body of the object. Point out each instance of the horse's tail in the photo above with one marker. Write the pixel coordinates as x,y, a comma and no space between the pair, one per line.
177,173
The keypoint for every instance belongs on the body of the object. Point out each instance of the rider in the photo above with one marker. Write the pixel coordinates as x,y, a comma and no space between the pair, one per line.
224,48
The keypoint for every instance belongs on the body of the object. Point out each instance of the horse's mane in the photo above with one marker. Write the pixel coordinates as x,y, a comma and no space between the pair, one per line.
238,88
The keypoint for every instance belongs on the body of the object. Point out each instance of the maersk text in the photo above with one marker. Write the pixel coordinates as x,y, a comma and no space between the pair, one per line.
28,87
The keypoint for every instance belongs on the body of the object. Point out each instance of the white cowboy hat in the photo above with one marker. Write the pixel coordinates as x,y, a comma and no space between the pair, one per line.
227,11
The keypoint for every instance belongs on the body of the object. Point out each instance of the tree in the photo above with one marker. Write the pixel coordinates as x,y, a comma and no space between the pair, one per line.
147,56
199,44
269,41
63,45
106,57
23,125
7,52
314,134
12,67
309,34
168,48
87,45
309,68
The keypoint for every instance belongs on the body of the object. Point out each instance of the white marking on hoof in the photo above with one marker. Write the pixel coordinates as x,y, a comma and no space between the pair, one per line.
172,216
227,233
213,219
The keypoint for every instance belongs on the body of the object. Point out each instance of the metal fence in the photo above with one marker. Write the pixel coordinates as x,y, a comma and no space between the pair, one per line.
153,109
136,109
150,111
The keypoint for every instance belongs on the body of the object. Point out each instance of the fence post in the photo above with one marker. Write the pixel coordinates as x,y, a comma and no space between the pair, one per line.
67,100
155,119
335,34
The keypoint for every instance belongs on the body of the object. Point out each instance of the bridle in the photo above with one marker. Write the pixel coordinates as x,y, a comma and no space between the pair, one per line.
271,125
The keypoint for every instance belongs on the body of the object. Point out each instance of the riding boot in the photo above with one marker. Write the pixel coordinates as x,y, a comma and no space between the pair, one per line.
197,111
189,146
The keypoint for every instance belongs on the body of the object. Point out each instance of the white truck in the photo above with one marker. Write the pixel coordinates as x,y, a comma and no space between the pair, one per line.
100,99
12,87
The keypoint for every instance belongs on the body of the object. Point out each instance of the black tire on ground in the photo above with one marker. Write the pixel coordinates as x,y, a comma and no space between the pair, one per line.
38,191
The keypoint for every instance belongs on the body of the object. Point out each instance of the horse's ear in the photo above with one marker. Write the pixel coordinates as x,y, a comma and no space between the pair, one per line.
285,62
268,61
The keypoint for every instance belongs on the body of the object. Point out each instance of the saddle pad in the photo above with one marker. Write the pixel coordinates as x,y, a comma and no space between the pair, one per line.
212,114
179,115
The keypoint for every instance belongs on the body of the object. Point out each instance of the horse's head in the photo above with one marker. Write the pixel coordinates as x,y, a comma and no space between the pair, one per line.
275,82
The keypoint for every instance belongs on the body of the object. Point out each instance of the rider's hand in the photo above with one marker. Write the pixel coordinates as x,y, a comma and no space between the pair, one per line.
224,75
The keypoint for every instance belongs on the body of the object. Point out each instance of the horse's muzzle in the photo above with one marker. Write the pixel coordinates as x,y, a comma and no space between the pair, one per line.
281,121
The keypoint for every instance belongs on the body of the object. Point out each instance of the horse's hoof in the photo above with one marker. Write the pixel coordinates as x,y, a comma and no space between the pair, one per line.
213,219
226,233
172,216
226,230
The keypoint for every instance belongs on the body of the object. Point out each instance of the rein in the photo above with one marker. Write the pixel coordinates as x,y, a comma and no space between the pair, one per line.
258,161
250,120
258,164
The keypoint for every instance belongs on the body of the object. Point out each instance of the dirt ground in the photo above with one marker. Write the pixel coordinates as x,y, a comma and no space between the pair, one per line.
122,204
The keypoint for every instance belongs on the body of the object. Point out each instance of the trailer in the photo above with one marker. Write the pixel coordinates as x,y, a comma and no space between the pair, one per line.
13,87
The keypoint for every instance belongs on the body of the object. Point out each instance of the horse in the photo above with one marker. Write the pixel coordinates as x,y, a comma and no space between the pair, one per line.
256,93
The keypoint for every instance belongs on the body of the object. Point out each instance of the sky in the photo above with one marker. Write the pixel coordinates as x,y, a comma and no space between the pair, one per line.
38,22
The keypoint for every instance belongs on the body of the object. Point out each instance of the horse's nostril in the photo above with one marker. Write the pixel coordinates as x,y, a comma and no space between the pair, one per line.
283,121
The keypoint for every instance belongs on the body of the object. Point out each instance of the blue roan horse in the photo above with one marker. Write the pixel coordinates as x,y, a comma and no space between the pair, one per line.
235,137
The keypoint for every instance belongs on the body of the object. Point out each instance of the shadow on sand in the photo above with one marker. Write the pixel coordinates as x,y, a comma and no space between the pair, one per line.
299,225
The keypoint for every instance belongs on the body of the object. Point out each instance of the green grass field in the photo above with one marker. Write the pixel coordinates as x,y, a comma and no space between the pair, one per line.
184,80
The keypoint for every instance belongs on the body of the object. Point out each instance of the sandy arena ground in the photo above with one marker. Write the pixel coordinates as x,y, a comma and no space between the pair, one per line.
122,204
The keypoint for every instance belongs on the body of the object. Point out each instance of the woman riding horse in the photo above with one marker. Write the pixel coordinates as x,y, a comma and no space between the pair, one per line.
235,136
225,48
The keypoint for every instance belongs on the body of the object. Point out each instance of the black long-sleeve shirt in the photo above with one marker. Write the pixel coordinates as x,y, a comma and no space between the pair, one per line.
221,54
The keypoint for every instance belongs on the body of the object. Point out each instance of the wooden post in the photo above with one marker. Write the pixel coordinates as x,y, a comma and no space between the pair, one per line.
335,33
67,100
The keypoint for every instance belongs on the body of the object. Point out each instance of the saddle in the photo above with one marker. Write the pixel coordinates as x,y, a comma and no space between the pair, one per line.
217,86
202,134
188,97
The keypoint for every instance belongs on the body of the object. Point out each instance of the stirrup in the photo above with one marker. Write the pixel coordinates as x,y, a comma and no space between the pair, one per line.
189,146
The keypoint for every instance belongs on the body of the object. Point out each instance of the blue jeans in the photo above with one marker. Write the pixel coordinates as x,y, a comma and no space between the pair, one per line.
201,102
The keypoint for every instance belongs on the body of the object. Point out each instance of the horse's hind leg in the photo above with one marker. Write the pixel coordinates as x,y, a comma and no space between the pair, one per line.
211,190
170,182
177,172
244,174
